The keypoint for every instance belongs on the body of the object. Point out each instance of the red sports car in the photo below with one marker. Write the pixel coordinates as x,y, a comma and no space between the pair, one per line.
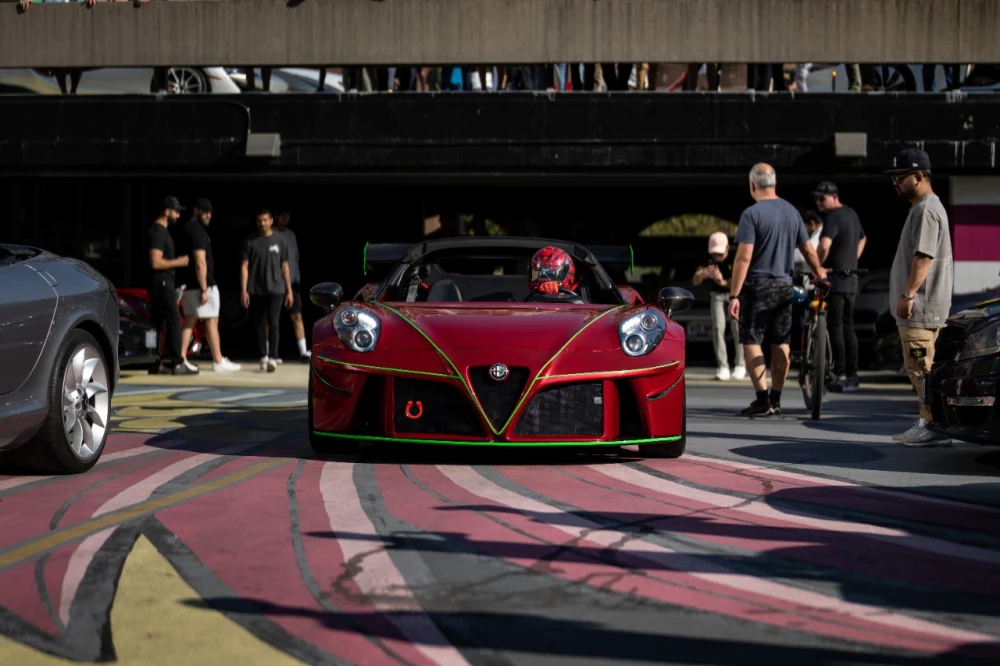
457,346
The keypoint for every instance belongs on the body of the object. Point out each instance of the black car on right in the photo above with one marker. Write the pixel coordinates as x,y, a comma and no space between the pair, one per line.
963,387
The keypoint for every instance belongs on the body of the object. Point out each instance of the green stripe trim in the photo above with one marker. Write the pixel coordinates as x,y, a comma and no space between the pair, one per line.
328,384
631,260
527,391
462,442
386,369
365,259
615,373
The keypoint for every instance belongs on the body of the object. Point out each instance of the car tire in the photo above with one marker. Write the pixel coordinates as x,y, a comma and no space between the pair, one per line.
674,449
327,445
51,451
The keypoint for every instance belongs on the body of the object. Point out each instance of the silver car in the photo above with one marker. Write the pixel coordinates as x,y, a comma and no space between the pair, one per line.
58,361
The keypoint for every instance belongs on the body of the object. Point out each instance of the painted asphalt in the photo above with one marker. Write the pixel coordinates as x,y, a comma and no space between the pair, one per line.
209,533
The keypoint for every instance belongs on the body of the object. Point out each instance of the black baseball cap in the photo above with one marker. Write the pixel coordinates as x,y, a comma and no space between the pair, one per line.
173,203
824,188
204,205
910,160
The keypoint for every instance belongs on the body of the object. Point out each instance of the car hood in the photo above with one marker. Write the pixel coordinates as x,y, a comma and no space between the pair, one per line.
527,326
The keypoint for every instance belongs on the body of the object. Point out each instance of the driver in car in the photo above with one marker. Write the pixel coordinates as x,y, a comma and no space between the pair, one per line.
552,273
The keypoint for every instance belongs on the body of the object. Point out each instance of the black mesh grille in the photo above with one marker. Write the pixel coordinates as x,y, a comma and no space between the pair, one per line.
498,399
368,414
629,418
569,409
433,408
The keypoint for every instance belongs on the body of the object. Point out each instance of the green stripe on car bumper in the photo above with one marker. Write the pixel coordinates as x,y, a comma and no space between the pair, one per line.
459,442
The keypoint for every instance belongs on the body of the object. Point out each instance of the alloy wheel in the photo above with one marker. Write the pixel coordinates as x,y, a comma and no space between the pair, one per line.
86,402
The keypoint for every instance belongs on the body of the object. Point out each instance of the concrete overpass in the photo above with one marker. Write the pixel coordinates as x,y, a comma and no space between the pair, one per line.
391,32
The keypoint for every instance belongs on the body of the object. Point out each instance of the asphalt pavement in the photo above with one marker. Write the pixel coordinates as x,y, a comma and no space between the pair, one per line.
209,533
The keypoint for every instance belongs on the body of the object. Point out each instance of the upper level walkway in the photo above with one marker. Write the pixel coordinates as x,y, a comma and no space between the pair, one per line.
392,32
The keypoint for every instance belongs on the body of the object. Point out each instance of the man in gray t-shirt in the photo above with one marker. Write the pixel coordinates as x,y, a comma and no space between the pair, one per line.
920,282
760,291
266,285
295,313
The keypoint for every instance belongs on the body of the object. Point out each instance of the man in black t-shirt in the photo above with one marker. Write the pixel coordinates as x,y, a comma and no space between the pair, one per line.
266,282
163,262
201,294
718,271
840,246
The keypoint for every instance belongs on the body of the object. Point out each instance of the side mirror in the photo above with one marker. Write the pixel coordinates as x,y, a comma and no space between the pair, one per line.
327,295
674,299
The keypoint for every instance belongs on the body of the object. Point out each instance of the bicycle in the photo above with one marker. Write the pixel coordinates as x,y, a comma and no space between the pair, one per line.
816,369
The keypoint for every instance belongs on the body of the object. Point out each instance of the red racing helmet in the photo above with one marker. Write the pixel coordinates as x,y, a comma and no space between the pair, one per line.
550,264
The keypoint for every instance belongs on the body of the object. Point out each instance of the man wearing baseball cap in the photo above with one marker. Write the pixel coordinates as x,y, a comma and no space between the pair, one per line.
921,280
719,270
163,262
841,243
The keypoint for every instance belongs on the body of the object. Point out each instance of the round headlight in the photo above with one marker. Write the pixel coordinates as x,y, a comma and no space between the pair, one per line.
649,322
349,317
635,343
363,339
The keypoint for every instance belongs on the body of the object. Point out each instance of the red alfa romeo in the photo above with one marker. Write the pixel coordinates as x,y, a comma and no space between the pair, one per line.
457,346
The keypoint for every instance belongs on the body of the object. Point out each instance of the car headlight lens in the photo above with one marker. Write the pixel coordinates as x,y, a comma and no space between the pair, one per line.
641,333
358,329
981,343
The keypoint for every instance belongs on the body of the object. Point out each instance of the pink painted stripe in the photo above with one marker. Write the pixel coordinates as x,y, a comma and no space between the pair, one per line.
765,536
977,242
241,534
135,494
761,509
379,579
19,596
666,585
808,602
709,472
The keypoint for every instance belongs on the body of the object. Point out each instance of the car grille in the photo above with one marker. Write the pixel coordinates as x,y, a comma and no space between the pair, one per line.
567,409
432,408
368,414
498,399
629,418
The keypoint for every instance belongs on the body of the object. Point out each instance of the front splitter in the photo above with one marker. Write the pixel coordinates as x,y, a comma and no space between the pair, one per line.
460,442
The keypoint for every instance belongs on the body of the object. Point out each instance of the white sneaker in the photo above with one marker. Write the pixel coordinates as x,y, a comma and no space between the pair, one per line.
190,366
263,363
226,366
722,374
919,435
276,360
740,372
272,364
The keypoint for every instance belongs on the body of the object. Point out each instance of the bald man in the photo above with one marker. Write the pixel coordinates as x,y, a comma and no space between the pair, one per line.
760,292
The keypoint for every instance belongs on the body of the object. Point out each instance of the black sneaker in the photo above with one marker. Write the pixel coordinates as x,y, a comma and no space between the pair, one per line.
852,384
776,408
757,409
837,385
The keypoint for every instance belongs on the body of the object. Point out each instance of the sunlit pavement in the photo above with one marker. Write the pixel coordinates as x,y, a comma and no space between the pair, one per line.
210,534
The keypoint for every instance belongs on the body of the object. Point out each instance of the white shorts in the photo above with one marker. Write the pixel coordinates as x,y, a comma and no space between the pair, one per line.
191,301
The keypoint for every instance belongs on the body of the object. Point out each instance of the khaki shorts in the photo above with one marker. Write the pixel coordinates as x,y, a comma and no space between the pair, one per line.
918,357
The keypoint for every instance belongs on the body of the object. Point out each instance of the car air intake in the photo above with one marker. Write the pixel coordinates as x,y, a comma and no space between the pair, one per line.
567,409
498,398
433,408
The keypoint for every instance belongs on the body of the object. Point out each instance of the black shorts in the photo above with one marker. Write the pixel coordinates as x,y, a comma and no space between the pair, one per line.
766,312
296,299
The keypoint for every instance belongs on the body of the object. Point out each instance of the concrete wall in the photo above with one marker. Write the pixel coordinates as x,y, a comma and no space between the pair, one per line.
340,32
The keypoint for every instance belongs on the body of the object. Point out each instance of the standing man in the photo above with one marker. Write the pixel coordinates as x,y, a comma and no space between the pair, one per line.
841,244
720,270
920,281
163,261
201,294
265,282
760,293
295,314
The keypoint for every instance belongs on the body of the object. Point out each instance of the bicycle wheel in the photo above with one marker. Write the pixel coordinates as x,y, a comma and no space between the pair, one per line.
805,363
819,363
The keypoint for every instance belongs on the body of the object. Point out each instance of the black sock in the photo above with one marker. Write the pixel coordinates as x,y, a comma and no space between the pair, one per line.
761,396
775,396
